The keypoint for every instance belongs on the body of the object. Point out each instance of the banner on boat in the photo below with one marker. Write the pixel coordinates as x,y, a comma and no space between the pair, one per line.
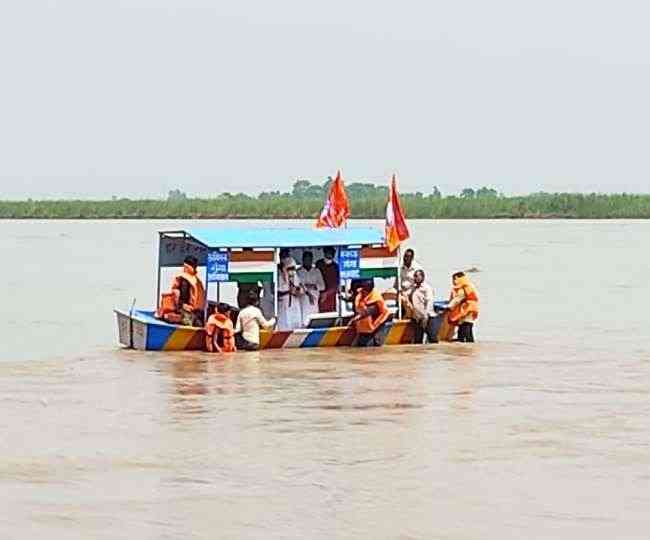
172,252
218,266
350,263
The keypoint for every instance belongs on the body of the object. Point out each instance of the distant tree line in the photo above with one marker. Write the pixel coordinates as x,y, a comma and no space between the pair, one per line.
368,201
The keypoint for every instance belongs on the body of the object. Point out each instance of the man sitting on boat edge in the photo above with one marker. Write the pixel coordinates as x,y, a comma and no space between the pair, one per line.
186,301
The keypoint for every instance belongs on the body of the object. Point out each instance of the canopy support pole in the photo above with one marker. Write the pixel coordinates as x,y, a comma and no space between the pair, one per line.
157,303
399,282
205,301
276,260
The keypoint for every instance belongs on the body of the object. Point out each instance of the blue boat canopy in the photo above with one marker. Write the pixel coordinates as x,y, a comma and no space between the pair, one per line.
285,238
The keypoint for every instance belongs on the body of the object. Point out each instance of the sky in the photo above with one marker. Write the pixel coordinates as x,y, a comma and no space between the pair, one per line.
135,98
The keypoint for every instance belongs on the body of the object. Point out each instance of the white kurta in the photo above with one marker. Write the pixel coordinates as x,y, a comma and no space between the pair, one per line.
289,310
314,284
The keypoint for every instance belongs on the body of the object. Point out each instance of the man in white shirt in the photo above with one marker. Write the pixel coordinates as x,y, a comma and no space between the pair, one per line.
407,271
420,304
249,322
312,280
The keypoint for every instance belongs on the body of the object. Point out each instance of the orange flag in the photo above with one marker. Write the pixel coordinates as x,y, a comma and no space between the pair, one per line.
396,229
336,211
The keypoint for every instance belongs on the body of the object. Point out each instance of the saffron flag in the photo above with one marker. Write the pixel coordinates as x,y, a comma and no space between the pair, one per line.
396,229
336,211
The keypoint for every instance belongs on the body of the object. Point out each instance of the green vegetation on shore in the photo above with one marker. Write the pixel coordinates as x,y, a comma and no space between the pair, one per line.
367,200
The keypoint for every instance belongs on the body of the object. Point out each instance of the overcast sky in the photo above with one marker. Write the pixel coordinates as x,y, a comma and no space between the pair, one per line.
136,97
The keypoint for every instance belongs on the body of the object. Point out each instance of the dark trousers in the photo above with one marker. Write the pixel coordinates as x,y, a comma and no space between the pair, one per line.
376,339
430,329
245,345
466,332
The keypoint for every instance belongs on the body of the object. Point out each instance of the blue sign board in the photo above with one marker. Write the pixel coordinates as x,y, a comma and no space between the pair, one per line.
349,263
218,266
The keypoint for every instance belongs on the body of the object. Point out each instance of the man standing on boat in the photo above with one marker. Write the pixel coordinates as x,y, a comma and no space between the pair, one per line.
407,272
312,280
290,291
420,305
330,271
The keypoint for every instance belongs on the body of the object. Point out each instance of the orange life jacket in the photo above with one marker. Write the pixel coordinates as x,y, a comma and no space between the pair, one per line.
469,305
368,325
220,324
197,290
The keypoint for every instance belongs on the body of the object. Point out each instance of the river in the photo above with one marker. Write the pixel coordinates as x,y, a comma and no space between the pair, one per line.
539,430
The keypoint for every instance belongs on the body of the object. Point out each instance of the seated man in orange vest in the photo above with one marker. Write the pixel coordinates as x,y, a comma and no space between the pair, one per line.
370,316
463,307
186,301
219,331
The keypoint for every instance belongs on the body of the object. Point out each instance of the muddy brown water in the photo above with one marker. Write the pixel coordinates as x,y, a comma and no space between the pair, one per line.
540,430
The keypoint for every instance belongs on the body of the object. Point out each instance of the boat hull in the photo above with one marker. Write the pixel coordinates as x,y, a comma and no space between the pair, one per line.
141,330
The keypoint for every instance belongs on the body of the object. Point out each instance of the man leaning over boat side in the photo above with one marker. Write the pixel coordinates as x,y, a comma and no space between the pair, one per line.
249,322
219,330
371,315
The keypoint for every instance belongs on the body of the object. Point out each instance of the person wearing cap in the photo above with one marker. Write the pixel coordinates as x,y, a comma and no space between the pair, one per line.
219,330
312,281
371,315
249,322
290,291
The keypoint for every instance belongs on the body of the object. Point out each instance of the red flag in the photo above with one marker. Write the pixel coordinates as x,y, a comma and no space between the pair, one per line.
336,211
396,229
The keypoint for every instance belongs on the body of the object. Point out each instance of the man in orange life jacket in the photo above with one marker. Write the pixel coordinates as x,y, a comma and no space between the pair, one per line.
370,316
219,331
463,307
185,304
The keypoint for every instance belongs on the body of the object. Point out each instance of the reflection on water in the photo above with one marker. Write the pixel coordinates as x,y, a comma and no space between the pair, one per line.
539,430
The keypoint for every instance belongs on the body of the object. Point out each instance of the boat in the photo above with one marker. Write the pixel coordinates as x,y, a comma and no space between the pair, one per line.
231,256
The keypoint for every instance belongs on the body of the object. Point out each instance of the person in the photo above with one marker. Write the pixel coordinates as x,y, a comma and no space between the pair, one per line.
463,307
420,304
289,292
407,273
219,331
312,280
370,316
186,301
249,322
329,269
243,291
